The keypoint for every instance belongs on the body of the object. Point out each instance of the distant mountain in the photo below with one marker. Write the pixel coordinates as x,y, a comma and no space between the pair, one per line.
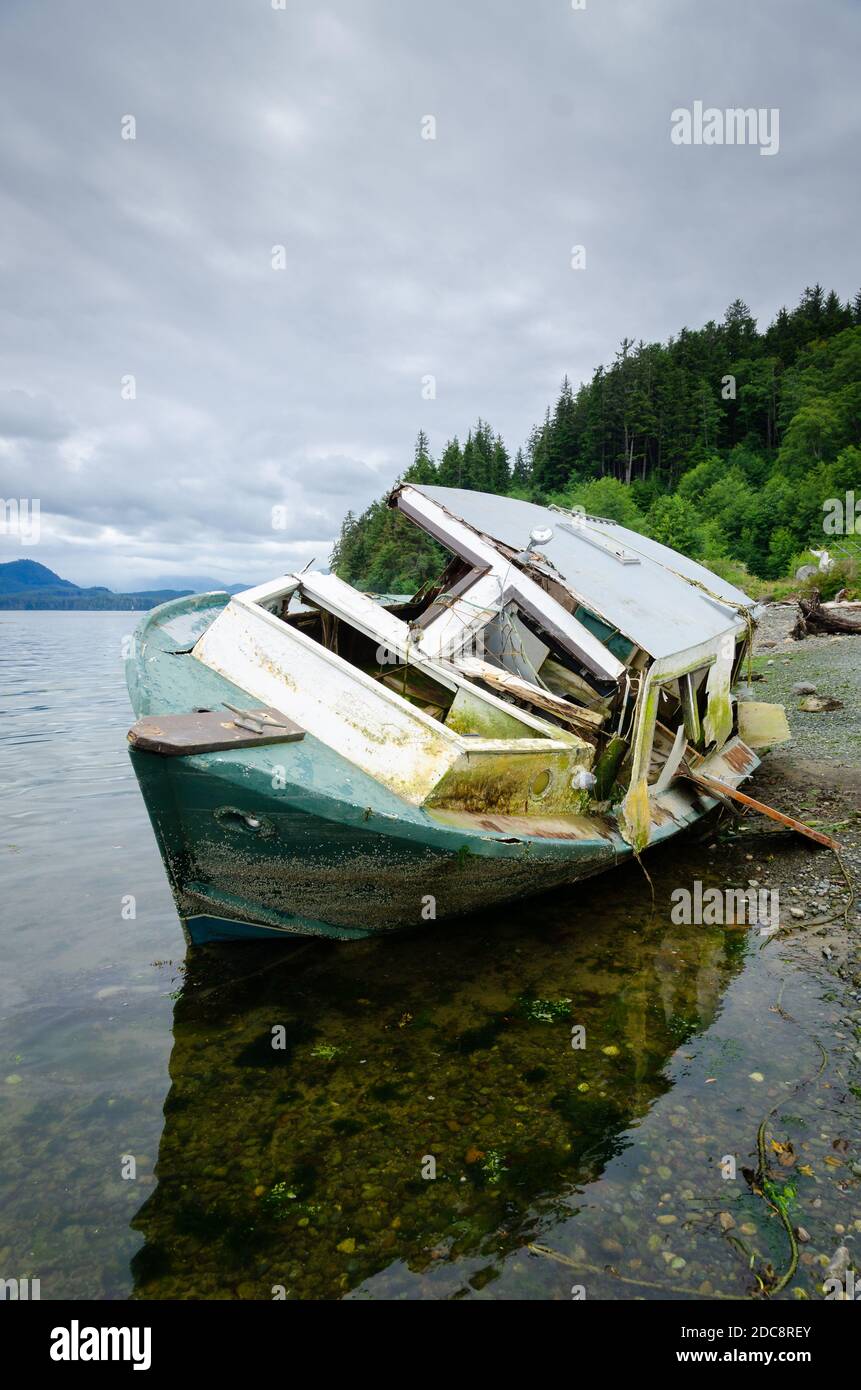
197,584
21,575
27,584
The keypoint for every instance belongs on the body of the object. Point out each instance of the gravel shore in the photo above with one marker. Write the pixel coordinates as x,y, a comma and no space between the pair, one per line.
816,776
833,666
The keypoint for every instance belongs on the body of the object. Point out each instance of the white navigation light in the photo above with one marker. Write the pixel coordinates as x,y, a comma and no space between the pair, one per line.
540,535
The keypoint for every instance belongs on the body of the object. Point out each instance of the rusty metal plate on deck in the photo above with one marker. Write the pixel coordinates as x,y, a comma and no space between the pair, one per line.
212,731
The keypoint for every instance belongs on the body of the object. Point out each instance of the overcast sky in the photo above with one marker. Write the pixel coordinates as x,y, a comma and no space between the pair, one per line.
258,127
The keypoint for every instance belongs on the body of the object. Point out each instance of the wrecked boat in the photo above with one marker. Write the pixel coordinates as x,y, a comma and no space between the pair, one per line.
317,763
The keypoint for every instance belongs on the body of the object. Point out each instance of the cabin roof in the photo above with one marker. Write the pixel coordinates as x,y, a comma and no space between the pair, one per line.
646,590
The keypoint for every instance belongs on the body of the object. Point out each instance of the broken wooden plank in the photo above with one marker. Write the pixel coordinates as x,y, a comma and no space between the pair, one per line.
576,715
562,681
721,789
671,766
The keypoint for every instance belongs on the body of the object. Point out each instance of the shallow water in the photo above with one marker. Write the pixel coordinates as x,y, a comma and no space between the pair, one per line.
306,1169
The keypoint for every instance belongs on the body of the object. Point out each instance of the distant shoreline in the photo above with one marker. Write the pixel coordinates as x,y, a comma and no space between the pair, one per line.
107,603
28,586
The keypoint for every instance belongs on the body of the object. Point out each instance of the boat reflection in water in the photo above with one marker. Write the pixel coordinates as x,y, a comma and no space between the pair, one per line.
305,1169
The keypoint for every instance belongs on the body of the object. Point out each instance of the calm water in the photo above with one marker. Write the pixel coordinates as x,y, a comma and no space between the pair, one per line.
303,1168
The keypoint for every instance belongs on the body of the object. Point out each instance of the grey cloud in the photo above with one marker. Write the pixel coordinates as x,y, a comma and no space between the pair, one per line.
256,128
26,416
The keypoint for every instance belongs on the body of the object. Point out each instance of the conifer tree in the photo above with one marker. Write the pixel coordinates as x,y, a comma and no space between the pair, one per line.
750,429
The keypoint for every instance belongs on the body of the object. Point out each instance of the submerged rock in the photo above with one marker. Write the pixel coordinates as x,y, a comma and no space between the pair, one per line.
839,1263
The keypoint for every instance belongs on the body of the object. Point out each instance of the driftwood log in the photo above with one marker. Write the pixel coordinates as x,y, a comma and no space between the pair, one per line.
814,619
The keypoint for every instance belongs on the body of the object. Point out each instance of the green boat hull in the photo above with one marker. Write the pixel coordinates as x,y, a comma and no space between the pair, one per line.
291,839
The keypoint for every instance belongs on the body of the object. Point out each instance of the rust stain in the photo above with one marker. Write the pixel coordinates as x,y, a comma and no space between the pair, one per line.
571,828
738,758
